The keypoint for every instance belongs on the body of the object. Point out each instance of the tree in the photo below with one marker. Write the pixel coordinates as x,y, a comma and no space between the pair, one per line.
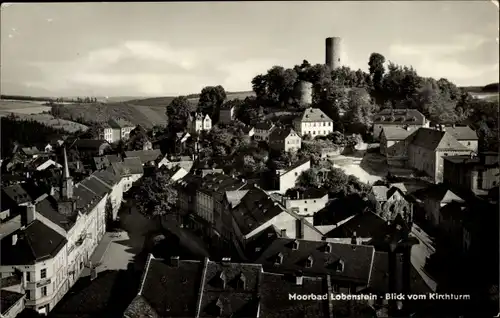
360,111
309,178
138,138
155,195
259,86
377,70
178,112
211,98
249,111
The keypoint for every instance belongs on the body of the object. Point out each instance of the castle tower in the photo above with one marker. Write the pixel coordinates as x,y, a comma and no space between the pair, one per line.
67,181
333,49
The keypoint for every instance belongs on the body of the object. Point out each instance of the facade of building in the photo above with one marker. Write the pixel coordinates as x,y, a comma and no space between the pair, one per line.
262,130
198,122
427,148
287,178
477,173
410,119
390,201
115,130
313,122
306,202
392,145
464,135
91,147
284,139
226,113
433,198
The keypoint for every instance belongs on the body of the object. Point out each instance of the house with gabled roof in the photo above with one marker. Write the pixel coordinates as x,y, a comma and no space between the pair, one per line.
465,135
262,130
284,139
427,148
197,122
390,201
287,177
392,145
410,119
313,122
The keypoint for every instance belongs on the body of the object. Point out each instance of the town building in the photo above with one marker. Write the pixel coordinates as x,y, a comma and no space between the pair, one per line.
12,297
392,145
115,130
284,139
478,173
313,122
263,130
287,178
427,148
255,210
410,119
226,113
197,122
390,201
305,202
91,147
465,135
147,157
185,162
130,170
249,131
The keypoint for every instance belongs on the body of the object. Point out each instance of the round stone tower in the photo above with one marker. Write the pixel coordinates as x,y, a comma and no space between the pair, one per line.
333,50
304,93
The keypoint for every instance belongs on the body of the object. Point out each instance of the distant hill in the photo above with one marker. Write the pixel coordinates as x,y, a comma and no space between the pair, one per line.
490,88
164,101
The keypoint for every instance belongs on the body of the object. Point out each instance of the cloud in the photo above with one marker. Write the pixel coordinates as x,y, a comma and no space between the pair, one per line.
148,68
465,59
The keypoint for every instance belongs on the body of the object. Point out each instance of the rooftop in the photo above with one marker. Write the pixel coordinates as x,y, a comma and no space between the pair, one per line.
89,143
399,117
364,225
281,133
395,133
264,125
8,299
120,123
144,155
314,115
462,133
433,139
35,243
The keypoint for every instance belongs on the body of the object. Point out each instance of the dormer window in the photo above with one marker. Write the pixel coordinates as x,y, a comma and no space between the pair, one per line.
309,262
279,259
328,248
339,267
241,282
295,245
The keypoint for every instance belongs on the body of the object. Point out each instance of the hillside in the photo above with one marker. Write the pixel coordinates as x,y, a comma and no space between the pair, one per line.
101,112
56,123
164,101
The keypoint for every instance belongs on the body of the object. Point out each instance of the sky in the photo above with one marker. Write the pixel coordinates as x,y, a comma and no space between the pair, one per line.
176,48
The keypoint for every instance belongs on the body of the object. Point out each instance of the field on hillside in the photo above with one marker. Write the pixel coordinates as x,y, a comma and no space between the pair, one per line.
137,115
21,107
49,120
145,112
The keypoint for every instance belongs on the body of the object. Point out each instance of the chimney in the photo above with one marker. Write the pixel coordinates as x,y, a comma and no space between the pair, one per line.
226,261
283,232
14,239
299,278
323,238
298,195
174,261
354,238
30,214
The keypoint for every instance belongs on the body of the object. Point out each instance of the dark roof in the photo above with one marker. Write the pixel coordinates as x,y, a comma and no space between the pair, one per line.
264,125
17,194
439,192
8,299
383,193
314,115
463,159
128,166
280,133
95,186
357,259
401,116
366,225
189,183
255,209
172,291
275,302
247,129
434,139
308,193
35,243
237,300
395,133
216,184
144,155
89,143
48,209
30,151
379,280
339,209
255,246
462,133
101,162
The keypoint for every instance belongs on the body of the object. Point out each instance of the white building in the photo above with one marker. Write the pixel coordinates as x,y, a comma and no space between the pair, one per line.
262,130
197,122
313,122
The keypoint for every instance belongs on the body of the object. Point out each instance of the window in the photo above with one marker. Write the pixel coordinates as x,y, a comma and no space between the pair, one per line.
305,209
43,273
28,294
305,201
314,201
309,262
339,266
44,291
296,173
28,276
468,143
324,124
445,154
